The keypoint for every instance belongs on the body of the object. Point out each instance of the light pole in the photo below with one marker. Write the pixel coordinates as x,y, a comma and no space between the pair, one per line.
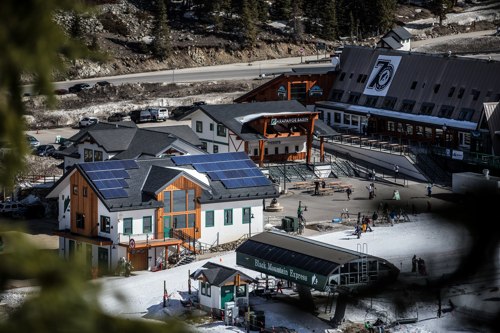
250,225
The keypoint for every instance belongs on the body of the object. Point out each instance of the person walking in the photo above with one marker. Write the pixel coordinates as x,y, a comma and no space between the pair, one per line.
373,175
348,192
279,287
429,190
414,264
396,171
374,218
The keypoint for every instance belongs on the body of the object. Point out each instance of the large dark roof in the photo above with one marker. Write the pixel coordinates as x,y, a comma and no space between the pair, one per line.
300,252
230,114
152,175
101,126
183,132
218,275
436,79
402,32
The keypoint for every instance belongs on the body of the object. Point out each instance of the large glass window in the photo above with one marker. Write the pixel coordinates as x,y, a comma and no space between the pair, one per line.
353,98
228,216
191,220
166,202
465,114
191,200
371,101
179,201
209,218
347,119
337,117
179,221
247,214
127,226
147,225
427,108
446,111
407,106
88,155
337,95
105,224
389,103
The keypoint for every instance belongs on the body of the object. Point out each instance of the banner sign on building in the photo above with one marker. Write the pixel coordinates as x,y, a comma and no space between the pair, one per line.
282,91
316,91
289,273
382,75
457,154
276,121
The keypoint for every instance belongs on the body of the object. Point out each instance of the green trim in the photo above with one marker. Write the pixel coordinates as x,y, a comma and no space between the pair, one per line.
243,215
151,221
127,219
213,219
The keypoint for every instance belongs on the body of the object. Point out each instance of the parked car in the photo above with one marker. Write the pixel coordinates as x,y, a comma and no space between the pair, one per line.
32,141
45,150
78,87
7,208
158,114
117,116
87,121
61,91
102,83
139,116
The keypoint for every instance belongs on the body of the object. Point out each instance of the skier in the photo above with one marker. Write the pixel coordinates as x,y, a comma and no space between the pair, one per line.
429,190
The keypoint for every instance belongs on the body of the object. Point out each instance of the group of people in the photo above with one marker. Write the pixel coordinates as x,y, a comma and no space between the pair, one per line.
418,264
363,225
371,191
378,326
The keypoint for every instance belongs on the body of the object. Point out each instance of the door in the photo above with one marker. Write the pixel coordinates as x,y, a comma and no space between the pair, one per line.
139,259
226,295
166,226
102,260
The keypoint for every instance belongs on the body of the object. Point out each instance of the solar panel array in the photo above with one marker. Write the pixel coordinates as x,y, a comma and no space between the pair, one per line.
109,177
234,170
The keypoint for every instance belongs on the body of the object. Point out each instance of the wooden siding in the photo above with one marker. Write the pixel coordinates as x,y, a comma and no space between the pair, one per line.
180,184
86,205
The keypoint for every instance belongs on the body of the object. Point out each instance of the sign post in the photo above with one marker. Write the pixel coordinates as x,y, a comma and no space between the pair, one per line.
301,54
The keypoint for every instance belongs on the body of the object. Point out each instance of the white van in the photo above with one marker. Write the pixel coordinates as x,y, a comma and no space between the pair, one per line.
158,114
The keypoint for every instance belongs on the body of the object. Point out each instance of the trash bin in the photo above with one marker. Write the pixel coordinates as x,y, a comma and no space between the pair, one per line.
285,223
293,225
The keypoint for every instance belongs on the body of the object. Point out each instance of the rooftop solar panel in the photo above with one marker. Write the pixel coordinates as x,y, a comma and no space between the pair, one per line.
114,193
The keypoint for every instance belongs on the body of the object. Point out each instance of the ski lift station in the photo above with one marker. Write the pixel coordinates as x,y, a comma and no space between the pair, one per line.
313,264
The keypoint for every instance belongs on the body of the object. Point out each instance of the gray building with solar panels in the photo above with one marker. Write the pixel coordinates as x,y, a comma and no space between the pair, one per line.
151,211
311,263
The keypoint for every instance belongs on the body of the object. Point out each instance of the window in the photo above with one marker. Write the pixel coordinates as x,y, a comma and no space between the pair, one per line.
191,220
88,155
247,215
179,221
337,116
127,226
351,75
166,202
266,151
212,127
360,76
413,85
389,103
451,92
436,88
216,149
191,200
427,108
221,130
276,150
342,76
241,290
371,101
209,218
461,92
199,127
296,149
179,202
475,94
363,79
147,225
228,216
298,91
407,106
80,221
204,145
105,224
286,149
337,95
446,111
205,289
84,191
97,155
354,120
347,119
465,114
75,189
353,98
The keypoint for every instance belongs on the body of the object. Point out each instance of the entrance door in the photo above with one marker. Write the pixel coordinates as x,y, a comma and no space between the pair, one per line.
166,226
226,295
102,260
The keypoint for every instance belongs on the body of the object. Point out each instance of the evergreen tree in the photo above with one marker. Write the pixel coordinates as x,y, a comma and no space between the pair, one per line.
161,32
385,14
298,26
75,29
281,10
329,20
440,8
247,23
